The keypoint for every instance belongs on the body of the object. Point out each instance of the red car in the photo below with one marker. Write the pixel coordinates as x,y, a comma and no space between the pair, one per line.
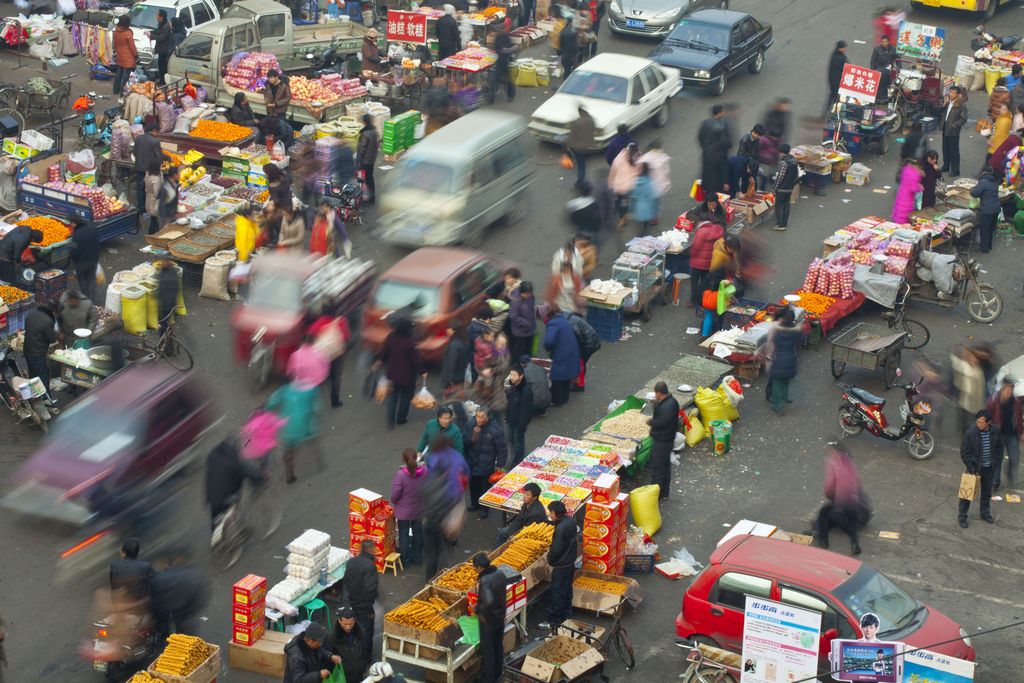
839,587
435,285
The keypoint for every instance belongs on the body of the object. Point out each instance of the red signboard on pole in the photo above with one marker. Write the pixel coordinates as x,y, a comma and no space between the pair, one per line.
860,83
407,27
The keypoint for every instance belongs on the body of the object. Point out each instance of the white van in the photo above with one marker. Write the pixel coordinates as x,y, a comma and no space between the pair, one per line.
449,187
143,15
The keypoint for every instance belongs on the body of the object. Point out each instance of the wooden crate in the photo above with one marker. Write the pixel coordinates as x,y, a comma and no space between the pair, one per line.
206,672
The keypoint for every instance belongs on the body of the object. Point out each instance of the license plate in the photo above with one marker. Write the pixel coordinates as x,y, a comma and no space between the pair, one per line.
99,666
635,23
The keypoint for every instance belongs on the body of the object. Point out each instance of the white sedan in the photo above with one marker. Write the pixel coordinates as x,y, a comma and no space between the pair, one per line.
616,89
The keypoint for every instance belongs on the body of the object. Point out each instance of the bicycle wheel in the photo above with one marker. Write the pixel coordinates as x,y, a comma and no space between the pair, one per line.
8,98
228,551
917,334
624,648
268,500
175,353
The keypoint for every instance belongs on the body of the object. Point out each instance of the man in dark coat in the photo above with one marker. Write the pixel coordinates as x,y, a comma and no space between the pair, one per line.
366,155
882,59
664,426
590,343
12,246
85,257
980,450
130,573
225,474
306,658
448,40
987,191
537,378
1008,419
490,610
39,336
147,150
501,70
954,116
362,584
531,512
786,178
485,450
179,594
562,558
167,285
715,142
836,62
519,411
163,44
351,642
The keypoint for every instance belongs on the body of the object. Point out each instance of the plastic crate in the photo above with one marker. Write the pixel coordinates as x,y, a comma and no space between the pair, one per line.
734,319
49,281
607,322
55,255
639,564
191,274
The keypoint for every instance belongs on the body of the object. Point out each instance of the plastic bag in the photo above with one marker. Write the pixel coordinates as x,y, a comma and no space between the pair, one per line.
733,389
82,160
424,399
695,432
101,276
451,525
383,390
278,151
715,405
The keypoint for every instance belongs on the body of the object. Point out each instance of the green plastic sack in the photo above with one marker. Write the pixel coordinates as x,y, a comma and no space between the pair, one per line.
715,405
337,676
470,627
1018,222
696,433
643,503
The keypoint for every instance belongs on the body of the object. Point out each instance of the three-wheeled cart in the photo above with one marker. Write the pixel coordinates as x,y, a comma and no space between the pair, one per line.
855,128
863,345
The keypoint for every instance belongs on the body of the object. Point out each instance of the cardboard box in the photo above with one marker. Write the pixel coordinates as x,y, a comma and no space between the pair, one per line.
606,489
365,502
247,634
598,566
607,513
251,590
204,673
431,644
596,601
601,531
358,524
600,550
577,659
580,630
246,615
265,656
536,573
382,527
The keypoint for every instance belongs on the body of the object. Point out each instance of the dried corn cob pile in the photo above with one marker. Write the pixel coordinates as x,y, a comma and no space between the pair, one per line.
182,655
421,614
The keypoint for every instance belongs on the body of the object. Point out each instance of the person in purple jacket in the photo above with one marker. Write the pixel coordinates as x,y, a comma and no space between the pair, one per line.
407,498
522,320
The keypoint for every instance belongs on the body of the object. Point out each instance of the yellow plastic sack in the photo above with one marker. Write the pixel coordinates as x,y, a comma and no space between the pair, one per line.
715,405
643,501
543,76
179,306
526,76
555,37
152,313
696,433
133,309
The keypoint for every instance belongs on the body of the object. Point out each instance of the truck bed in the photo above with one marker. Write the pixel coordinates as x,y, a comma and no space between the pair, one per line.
296,112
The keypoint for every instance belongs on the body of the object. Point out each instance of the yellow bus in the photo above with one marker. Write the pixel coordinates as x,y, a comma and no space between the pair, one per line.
986,7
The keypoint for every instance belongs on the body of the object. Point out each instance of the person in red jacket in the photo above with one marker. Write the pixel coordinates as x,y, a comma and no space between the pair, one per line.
1006,419
125,54
704,238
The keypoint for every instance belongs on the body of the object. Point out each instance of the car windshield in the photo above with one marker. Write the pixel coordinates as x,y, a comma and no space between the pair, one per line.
144,16
870,591
93,432
277,291
595,85
392,295
701,36
429,176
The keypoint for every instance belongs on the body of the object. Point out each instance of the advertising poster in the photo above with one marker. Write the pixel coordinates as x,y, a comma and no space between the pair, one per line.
407,27
859,82
920,41
866,661
923,666
780,642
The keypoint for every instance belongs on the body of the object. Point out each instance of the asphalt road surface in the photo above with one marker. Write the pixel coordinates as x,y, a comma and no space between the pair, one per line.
772,474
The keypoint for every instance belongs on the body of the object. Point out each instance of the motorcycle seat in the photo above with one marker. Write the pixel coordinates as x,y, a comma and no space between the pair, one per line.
867,397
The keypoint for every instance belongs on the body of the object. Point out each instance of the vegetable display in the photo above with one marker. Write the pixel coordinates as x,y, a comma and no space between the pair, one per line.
221,131
182,656
53,230
421,614
588,583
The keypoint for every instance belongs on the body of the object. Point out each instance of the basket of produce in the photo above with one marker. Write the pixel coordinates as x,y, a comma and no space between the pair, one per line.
205,238
170,233
221,131
221,230
185,249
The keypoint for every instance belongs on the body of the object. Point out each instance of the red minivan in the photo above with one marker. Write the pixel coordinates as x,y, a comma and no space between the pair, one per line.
840,587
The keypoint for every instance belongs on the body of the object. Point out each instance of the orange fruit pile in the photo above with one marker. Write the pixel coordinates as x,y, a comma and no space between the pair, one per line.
221,131
9,294
53,230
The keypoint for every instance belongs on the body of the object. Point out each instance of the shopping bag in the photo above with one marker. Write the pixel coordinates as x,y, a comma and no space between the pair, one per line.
697,191
101,277
709,299
383,390
451,526
983,124
970,486
337,675
567,161
424,399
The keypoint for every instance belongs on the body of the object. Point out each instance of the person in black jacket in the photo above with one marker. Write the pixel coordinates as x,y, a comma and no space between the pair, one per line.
486,450
167,284
12,245
501,70
179,595
785,182
664,426
147,150
490,610
241,112
362,583
518,412
562,558
980,449
987,190
163,44
456,360
954,116
40,335
85,256
306,658
225,474
589,342
882,59
448,41
531,512
130,573
351,642
715,142
836,62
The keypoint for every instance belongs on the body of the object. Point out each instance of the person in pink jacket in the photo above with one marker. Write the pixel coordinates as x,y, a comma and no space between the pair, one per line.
407,499
905,203
659,167
703,246
622,178
845,502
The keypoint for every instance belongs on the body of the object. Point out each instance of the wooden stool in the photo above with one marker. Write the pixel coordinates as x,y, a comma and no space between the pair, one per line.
390,563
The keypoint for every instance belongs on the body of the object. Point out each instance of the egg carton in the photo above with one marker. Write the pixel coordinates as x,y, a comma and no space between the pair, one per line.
288,590
303,573
305,560
337,557
310,542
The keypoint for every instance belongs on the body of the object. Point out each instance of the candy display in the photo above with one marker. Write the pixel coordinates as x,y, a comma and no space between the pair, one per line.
222,131
53,230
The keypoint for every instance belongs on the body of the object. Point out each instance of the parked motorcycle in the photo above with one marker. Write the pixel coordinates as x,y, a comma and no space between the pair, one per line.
23,397
862,410
984,303
992,41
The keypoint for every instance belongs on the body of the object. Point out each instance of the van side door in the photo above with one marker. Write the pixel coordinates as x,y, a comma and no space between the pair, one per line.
196,56
274,34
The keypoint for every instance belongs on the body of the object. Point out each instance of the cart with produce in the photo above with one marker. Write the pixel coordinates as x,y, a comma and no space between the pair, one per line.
874,347
645,273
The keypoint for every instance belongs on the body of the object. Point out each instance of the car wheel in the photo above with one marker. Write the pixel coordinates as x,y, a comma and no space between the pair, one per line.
719,87
755,66
663,115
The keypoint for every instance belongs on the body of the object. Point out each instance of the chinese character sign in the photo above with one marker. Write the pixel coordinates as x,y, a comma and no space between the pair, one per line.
780,642
920,41
407,27
859,82
923,666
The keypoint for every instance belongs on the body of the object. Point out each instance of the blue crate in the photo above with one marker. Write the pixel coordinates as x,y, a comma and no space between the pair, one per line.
607,322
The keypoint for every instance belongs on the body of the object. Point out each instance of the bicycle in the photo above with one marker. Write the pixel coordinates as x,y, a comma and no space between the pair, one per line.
709,664
256,511
917,333
23,105
169,349
613,637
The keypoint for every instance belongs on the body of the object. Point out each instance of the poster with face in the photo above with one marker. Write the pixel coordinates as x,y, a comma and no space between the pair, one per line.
869,625
866,661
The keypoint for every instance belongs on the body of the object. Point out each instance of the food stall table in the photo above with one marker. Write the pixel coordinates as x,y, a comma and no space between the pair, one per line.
691,369
839,310
86,375
335,577
180,143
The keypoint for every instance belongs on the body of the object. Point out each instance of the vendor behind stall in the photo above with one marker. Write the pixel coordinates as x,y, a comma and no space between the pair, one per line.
241,112
448,41
76,312
277,93
273,125
12,251
370,51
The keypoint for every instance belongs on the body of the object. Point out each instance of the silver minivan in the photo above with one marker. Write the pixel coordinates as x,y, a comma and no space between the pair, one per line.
449,187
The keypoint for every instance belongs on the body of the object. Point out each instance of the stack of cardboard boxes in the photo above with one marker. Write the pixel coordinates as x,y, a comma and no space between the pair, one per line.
371,518
605,523
248,607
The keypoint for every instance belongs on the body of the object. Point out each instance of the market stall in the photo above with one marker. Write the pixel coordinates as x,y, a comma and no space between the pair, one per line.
468,75
821,165
639,279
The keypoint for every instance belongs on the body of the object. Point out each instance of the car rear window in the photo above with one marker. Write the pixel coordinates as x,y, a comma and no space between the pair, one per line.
392,295
733,589
701,36
595,85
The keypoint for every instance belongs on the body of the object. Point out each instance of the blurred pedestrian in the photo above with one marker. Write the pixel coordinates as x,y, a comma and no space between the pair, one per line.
564,291
701,250
168,286
782,347
179,595
485,350
300,407
776,130
480,322
845,504
444,424
584,246
308,366
85,256
76,312
910,185
561,344
327,229
568,47
931,178
501,71
407,499
40,336
403,362
980,451
584,212
178,31
488,390
291,230
448,478
836,61
953,119
726,254
664,426
448,40
129,573
567,252
581,138
618,142
786,178
987,191
456,360
226,472
659,164
331,335
715,142
1005,409
366,156
997,99
914,142
519,401
362,586
644,200
589,343
562,558
490,610
622,177
522,318
969,385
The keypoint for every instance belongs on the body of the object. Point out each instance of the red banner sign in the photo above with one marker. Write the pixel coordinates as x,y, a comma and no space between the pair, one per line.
859,82
407,27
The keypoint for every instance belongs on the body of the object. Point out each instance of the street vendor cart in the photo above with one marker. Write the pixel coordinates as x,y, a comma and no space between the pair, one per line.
855,128
642,270
875,347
